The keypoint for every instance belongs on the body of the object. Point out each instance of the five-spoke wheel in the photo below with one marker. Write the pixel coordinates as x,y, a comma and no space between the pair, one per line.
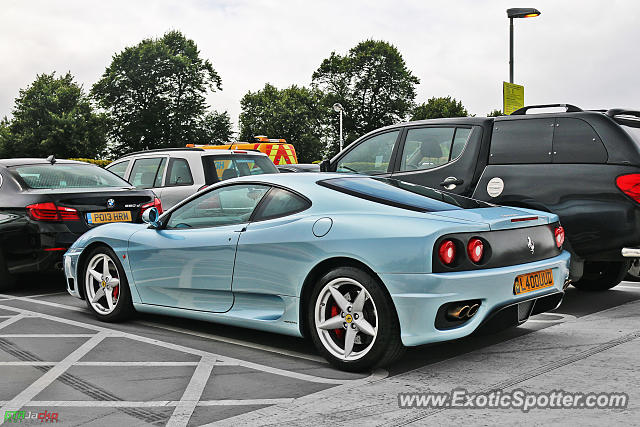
352,321
106,288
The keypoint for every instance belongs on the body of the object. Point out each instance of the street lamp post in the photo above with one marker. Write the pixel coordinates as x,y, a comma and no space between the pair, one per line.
517,12
337,107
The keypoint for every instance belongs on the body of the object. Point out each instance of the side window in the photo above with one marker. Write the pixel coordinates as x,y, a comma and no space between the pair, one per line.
145,172
229,205
521,141
426,148
119,168
371,156
160,174
575,141
459,142
280,203
179,173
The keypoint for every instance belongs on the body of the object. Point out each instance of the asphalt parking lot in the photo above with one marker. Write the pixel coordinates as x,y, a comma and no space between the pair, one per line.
155,370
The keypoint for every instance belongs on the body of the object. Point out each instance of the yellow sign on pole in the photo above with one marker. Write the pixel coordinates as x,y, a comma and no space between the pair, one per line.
512,97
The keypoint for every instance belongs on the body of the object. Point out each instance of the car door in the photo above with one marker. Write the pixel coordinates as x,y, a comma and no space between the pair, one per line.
188,261
441,157
179,182
371,156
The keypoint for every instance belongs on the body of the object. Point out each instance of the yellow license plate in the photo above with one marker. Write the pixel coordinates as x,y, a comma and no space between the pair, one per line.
533,281
104,217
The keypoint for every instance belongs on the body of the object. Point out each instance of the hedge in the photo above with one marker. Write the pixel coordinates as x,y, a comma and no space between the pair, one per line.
101,163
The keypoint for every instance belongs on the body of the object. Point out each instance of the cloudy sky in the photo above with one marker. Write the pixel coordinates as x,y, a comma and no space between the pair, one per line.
583,52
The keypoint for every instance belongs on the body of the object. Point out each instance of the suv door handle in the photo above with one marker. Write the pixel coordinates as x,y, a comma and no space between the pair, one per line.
451,182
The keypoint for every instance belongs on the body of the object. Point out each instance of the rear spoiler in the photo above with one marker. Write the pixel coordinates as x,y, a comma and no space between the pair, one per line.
629,117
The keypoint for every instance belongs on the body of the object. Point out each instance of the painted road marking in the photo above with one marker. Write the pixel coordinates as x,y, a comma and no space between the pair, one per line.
220,338
192,394
51,375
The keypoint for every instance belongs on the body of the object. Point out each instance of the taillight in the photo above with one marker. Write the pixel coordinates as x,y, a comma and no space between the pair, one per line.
630,185
49,212
475,250
559,234
155,204
447,252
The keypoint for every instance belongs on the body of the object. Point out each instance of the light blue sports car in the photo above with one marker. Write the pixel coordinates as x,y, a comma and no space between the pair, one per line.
363,266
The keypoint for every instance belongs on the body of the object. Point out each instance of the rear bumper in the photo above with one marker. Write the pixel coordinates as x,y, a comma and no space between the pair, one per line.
418,298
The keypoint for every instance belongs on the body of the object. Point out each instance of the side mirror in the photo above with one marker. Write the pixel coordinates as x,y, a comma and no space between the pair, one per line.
150,216
324,165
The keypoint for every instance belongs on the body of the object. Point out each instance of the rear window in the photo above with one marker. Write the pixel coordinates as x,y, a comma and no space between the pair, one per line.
59,176
220,168
522,141
633,131
401,194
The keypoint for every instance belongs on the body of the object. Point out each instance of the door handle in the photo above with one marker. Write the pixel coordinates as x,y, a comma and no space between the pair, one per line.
451,182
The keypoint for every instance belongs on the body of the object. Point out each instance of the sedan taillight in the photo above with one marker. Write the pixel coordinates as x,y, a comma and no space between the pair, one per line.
50,212
475,250
155,204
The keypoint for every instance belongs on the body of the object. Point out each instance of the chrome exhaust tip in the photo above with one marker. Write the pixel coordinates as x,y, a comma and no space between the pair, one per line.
566,284
458,312
473,310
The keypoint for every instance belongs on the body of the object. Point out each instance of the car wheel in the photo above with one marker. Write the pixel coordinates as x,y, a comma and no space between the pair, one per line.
600,276
633,274
7,280
106,288
352,321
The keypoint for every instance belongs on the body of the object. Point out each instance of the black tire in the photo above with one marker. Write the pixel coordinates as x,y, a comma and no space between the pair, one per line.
602,275
385,348
7,280
124,306
633,274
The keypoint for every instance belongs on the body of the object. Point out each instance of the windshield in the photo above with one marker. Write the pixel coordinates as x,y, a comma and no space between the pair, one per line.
402,194
220,168
69,175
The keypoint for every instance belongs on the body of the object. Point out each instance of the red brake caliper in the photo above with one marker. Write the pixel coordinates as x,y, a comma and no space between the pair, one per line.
115,291
334,312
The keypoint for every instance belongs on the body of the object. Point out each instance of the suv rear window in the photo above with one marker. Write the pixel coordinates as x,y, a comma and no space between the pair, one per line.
522,141
59,176
223,167
575,141
401,194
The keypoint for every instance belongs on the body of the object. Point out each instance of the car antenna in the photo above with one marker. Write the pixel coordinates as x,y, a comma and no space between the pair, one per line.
51,159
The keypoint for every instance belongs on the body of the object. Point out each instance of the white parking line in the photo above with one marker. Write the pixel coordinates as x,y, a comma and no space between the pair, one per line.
46,335
234,341
11,320
187,404
152,403
51,375
290,353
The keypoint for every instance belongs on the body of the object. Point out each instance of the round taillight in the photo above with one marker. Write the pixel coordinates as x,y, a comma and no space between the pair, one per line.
559,237
475,250
447,252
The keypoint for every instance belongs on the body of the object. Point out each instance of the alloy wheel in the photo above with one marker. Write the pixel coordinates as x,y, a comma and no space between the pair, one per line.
102,282
346,319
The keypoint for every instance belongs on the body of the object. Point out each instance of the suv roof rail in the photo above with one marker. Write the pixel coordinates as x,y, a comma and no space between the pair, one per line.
622,112
522,111
156,150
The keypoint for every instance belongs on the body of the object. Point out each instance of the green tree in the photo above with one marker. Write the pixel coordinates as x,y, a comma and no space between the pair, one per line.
373,84
495,113
296,114
155,93
214,128
436,108
53,116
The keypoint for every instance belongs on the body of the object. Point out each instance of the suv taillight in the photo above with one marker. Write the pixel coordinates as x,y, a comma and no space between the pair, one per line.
51,213
630,185
155,204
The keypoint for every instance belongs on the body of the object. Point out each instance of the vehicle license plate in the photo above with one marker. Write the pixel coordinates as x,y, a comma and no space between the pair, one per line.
103,217
533,281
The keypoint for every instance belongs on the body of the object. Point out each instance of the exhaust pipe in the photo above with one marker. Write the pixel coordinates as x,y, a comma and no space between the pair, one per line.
458,312
472,310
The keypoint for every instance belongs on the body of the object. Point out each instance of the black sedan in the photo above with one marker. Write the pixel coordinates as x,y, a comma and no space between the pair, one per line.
45,205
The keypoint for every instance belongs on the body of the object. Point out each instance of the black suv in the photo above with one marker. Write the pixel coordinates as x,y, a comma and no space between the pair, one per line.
582,165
